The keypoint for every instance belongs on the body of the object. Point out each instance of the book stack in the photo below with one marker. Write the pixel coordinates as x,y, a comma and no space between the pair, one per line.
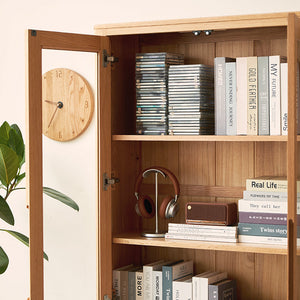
151,91
251,95
263,211
191,100
171,280
212,233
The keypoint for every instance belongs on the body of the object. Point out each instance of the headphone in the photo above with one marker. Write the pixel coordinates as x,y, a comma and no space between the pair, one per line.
145,206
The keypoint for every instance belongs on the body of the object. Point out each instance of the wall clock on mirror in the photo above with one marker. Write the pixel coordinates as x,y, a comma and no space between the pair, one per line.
68,104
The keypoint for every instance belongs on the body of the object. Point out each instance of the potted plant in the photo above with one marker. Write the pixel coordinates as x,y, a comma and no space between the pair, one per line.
12,158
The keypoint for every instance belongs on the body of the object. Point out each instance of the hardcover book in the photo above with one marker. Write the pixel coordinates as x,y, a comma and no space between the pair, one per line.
132,282
263,95
241,95
172,272
139,294
182,288
220,107
252,128
117,278
230,98
284,97
223,290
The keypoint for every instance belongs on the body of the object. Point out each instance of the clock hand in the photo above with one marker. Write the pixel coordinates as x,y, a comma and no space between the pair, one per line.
59,105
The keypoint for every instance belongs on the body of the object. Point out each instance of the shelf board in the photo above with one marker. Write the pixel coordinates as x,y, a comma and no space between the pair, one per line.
201,138
136,239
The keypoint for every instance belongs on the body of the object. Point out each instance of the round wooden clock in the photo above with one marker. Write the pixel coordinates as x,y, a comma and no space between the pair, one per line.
68,104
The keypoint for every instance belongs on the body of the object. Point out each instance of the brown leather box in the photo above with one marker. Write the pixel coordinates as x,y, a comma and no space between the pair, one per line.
211,213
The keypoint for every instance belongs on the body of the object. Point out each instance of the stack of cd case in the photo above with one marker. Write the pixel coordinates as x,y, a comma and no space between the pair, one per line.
191,100
152,91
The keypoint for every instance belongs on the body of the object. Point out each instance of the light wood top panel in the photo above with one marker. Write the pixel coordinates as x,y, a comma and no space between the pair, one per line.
207,23
136,239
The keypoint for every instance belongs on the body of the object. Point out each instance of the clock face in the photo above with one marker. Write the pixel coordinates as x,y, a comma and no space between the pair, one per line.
68,104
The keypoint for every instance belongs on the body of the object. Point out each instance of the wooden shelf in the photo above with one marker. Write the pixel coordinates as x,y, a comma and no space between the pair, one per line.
136,239
200,138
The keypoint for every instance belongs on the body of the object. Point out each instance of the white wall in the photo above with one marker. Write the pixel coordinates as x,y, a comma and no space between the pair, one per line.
73,276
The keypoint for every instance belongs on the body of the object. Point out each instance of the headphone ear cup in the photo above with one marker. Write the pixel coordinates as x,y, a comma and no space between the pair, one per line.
163,207
145,207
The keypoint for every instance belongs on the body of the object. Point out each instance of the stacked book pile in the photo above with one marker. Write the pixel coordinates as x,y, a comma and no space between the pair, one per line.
202,232
171,280
151,91
251,95
263,211
191,100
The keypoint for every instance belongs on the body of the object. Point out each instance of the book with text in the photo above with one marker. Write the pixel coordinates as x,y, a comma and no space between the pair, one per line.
182,288
222,290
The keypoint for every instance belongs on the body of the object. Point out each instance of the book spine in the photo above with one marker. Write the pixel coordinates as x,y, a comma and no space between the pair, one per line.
182,290
131,286
195,226
263,218
263,230
268,185
274,86
210,280
147,271
157,285
262,195
204,232
124,285
116,282
263,239
230,98
213,292
167,275
263,95
265,206
284,97
252,128
139,295
197,237
241,95
220,122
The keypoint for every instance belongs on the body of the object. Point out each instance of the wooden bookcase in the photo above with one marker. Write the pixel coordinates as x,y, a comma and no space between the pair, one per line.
209,168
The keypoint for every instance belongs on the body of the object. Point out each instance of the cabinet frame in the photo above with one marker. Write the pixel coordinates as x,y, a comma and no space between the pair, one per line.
63,41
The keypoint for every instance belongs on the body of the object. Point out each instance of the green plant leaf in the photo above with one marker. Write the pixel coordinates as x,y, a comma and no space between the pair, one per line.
19,133
5,212
22,238
16,143
4,261
9,164
60,197
19,178
4,133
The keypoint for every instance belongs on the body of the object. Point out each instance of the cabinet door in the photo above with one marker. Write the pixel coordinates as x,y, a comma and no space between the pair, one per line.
293,42
37,41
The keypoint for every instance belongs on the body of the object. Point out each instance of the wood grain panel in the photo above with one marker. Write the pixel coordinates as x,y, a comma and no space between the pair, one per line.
270,277
234,48
196,53
239,266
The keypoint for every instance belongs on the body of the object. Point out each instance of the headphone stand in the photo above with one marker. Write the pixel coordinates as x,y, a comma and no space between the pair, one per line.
155,234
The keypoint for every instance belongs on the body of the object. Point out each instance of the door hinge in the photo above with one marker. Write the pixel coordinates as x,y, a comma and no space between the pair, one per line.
109,181
108,59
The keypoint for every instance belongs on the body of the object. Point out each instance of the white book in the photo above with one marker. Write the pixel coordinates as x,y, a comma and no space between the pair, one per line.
263,196
139,294
252,111
274,87
198,226
230,94
182,288
241,95
254,239
198,237
147,272
196,284
265,206
284,97
117,279
207,232
209,279
157,285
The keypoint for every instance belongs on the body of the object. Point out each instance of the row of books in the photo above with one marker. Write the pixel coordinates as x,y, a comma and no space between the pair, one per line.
212,233
171,280
251,95
263,211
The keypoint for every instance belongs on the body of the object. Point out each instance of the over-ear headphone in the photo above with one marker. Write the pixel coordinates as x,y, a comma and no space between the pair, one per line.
145,206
